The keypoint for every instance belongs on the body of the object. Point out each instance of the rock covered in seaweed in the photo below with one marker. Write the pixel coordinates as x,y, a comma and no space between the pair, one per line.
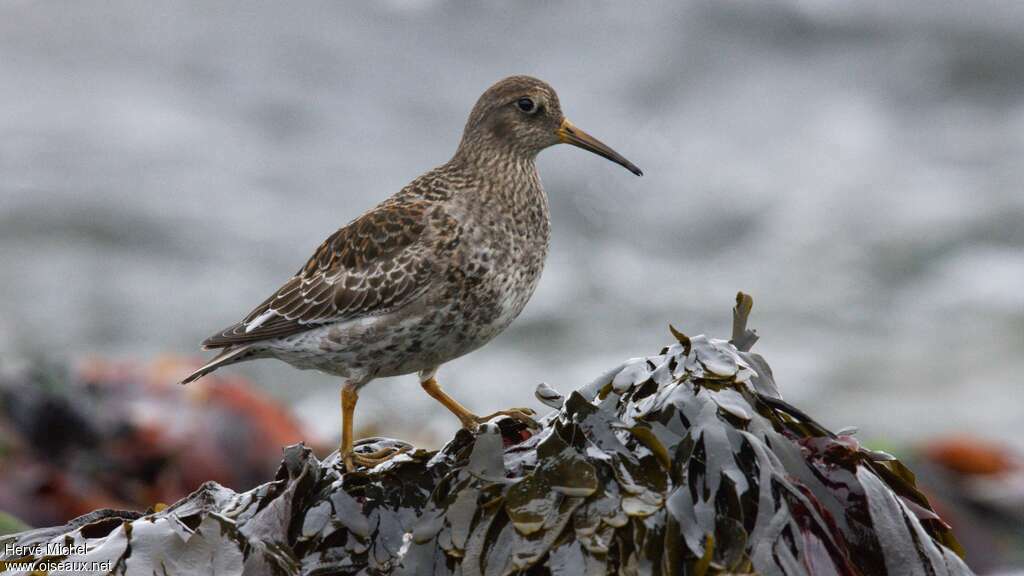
686,462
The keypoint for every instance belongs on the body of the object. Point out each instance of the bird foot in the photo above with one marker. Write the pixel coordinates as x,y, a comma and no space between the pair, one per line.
371,459
524,415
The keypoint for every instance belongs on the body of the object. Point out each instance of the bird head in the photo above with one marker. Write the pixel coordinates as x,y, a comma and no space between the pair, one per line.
521,116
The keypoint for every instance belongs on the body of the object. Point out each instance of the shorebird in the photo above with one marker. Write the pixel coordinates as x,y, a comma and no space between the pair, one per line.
431,273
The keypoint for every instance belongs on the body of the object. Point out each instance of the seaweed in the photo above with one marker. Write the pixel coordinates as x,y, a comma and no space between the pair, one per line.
685,462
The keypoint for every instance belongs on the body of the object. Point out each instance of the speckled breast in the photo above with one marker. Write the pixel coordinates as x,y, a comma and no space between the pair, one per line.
490,256
493,271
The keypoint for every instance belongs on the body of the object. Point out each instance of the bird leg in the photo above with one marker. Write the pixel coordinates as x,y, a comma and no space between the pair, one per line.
469,420
350,458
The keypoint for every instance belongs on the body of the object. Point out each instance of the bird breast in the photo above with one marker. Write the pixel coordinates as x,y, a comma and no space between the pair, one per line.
510,230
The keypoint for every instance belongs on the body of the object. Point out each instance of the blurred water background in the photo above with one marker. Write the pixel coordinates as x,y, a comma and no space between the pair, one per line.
856,166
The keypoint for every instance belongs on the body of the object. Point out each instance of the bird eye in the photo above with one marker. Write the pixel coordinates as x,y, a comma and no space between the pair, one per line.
526,105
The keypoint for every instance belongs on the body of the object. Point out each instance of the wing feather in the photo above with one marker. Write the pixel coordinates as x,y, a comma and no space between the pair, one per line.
378,262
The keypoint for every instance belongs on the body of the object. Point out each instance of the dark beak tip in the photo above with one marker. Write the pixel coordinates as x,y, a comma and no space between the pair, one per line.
569,134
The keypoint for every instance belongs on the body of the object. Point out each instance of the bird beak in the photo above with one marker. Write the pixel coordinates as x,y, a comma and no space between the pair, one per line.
570,134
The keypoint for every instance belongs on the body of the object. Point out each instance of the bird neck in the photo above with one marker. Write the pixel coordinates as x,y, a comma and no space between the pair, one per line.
487,151
498,179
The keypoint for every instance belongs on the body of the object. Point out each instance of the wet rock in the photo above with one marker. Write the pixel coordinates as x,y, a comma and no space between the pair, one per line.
104,434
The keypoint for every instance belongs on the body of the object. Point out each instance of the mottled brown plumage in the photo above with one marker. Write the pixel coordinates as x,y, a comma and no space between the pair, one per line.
431,273
370,266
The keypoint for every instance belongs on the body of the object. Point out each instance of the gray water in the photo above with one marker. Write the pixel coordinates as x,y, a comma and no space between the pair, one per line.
856,166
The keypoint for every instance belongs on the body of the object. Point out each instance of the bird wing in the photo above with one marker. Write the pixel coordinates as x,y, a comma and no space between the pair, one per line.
376,263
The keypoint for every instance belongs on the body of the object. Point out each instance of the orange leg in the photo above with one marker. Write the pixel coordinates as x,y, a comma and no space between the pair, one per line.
469,420
349,397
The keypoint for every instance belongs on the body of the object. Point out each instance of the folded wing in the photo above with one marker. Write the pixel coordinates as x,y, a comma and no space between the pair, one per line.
377,263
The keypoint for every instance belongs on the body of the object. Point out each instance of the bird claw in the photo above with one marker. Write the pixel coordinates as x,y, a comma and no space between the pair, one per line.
371,459
523,415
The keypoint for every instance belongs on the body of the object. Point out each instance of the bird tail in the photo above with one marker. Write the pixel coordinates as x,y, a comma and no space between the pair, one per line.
227,356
